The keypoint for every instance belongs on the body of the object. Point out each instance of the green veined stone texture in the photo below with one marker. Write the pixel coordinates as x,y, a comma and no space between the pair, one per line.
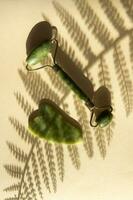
104,119
53,124
39,54
73,86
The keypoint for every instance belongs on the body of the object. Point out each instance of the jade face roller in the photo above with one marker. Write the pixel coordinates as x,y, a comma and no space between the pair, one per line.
41,43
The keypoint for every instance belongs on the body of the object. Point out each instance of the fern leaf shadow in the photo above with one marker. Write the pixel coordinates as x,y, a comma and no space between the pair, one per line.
36,163
37,88
74,155
24,104
51,163
17,152
131,48
75,32
42,164
60,160
128,5
104,79
113,15
14,171
21,130
83,119
36,175
93,22
124,79
100,139
13,187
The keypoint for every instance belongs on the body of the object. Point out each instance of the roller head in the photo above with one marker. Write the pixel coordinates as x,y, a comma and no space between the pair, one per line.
104,118
102,108
38,55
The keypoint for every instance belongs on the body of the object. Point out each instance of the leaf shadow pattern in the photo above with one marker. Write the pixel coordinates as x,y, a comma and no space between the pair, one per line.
131,48
51,163
36,144
17,152
60,160
75,32
118,22
104,79
41,160
100,139
103,35
13,187
30,83
125,82
113,15
73,150
83,119
128,5
14,171
24,104
99,29
37,88
22,131
60,86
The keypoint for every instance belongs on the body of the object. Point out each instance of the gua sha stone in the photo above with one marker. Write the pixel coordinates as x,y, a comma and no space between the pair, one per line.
53,124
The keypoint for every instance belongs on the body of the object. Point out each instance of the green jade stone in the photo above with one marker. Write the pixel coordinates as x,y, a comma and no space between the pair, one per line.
54,125
104,119
39,54
71,84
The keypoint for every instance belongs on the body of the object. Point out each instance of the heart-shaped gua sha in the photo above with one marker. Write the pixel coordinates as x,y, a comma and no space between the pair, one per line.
53,124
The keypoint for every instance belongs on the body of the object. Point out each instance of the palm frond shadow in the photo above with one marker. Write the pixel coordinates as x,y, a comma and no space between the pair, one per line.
44,163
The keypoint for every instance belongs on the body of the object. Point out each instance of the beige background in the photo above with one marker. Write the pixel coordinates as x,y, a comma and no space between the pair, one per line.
97,179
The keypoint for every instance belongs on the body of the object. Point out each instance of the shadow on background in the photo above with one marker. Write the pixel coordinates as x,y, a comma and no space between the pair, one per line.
49,162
